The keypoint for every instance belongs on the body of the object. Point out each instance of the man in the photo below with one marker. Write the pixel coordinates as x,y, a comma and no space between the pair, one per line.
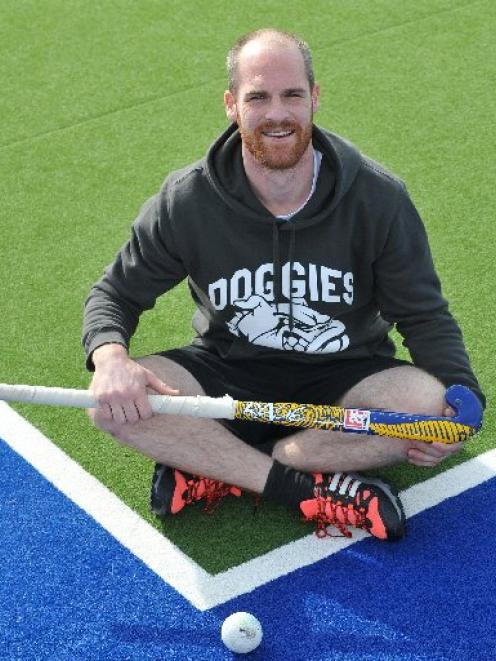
301,254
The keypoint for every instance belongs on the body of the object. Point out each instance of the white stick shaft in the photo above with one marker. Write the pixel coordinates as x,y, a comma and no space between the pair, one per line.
199,406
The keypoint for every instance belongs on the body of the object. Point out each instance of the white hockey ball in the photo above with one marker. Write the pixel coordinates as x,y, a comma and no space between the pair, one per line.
241,632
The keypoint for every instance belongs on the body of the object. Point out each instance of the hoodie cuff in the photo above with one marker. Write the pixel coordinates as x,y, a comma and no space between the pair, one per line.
107,337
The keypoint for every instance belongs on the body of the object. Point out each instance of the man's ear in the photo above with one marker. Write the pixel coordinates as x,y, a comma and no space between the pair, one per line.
315,97
230,106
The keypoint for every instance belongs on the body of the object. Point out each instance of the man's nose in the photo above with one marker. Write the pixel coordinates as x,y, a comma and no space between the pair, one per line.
276,110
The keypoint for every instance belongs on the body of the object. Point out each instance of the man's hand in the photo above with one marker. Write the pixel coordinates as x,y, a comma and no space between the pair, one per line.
120,385
431,454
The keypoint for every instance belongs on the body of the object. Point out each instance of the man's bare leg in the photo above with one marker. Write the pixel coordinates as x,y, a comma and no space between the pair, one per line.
204,447
405,389
207,448
198,446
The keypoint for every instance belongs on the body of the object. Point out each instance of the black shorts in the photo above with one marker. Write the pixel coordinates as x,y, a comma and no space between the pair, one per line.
276,380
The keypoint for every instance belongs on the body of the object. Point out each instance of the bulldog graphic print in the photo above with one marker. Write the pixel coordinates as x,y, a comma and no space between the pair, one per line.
265,323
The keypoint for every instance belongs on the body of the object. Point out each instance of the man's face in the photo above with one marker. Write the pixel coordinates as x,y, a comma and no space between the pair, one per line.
273,104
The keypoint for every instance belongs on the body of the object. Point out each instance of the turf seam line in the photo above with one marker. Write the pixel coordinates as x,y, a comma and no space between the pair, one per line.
153,99
202,589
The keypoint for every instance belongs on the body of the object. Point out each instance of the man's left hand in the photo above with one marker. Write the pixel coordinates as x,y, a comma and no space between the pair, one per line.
431,454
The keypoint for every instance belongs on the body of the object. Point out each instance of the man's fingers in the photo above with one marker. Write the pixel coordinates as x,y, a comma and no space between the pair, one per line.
420,458
131,413
423,462
120,387
449,448
159,386
143,408
430,455
106,411
437,449
428,452
117,414
119,410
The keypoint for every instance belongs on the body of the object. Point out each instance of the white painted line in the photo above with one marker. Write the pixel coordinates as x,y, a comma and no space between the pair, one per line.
200,588
142,539
452,482
310,549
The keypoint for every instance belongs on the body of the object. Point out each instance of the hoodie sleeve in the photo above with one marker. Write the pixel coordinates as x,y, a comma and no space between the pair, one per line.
146,266
409,295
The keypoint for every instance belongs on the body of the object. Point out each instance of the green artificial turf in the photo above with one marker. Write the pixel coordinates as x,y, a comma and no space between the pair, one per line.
100,100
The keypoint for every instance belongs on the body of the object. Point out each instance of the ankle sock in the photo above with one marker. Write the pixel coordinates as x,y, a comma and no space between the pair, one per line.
287,485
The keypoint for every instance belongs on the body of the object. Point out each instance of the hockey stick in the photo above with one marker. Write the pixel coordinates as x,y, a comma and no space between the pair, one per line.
466,422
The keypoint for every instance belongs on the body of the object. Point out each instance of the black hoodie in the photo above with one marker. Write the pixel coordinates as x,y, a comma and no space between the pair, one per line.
326,285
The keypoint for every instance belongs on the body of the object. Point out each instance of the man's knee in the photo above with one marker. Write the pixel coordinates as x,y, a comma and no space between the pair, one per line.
289,452
405,388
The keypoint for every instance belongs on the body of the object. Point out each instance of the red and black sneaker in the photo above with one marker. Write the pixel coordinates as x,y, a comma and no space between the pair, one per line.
173,489
345,499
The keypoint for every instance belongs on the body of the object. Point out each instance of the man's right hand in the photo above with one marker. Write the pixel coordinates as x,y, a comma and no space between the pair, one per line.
120,385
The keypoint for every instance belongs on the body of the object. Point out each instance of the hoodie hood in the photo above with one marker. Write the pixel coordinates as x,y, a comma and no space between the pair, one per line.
225,171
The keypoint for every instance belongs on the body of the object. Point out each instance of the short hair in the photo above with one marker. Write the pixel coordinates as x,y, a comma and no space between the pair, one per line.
232,59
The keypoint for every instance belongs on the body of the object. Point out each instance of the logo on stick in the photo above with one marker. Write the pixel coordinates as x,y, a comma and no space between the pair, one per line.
357,419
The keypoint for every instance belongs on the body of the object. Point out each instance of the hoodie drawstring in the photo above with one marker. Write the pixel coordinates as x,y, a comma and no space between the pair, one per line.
292,243
276,259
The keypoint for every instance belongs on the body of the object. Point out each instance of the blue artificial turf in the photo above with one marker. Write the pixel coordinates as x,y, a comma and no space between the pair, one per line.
70,591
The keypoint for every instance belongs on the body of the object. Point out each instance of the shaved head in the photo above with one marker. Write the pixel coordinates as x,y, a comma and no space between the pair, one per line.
267,37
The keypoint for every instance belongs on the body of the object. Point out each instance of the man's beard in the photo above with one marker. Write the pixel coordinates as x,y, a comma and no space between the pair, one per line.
274,156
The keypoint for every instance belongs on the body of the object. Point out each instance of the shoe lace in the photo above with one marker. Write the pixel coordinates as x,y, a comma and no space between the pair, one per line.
326,516
329,508
213,491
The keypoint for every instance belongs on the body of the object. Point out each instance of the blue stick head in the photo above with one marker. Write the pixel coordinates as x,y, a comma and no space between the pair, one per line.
466,404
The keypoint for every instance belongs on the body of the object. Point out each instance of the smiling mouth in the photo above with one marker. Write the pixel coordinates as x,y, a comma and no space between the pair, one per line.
277,134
